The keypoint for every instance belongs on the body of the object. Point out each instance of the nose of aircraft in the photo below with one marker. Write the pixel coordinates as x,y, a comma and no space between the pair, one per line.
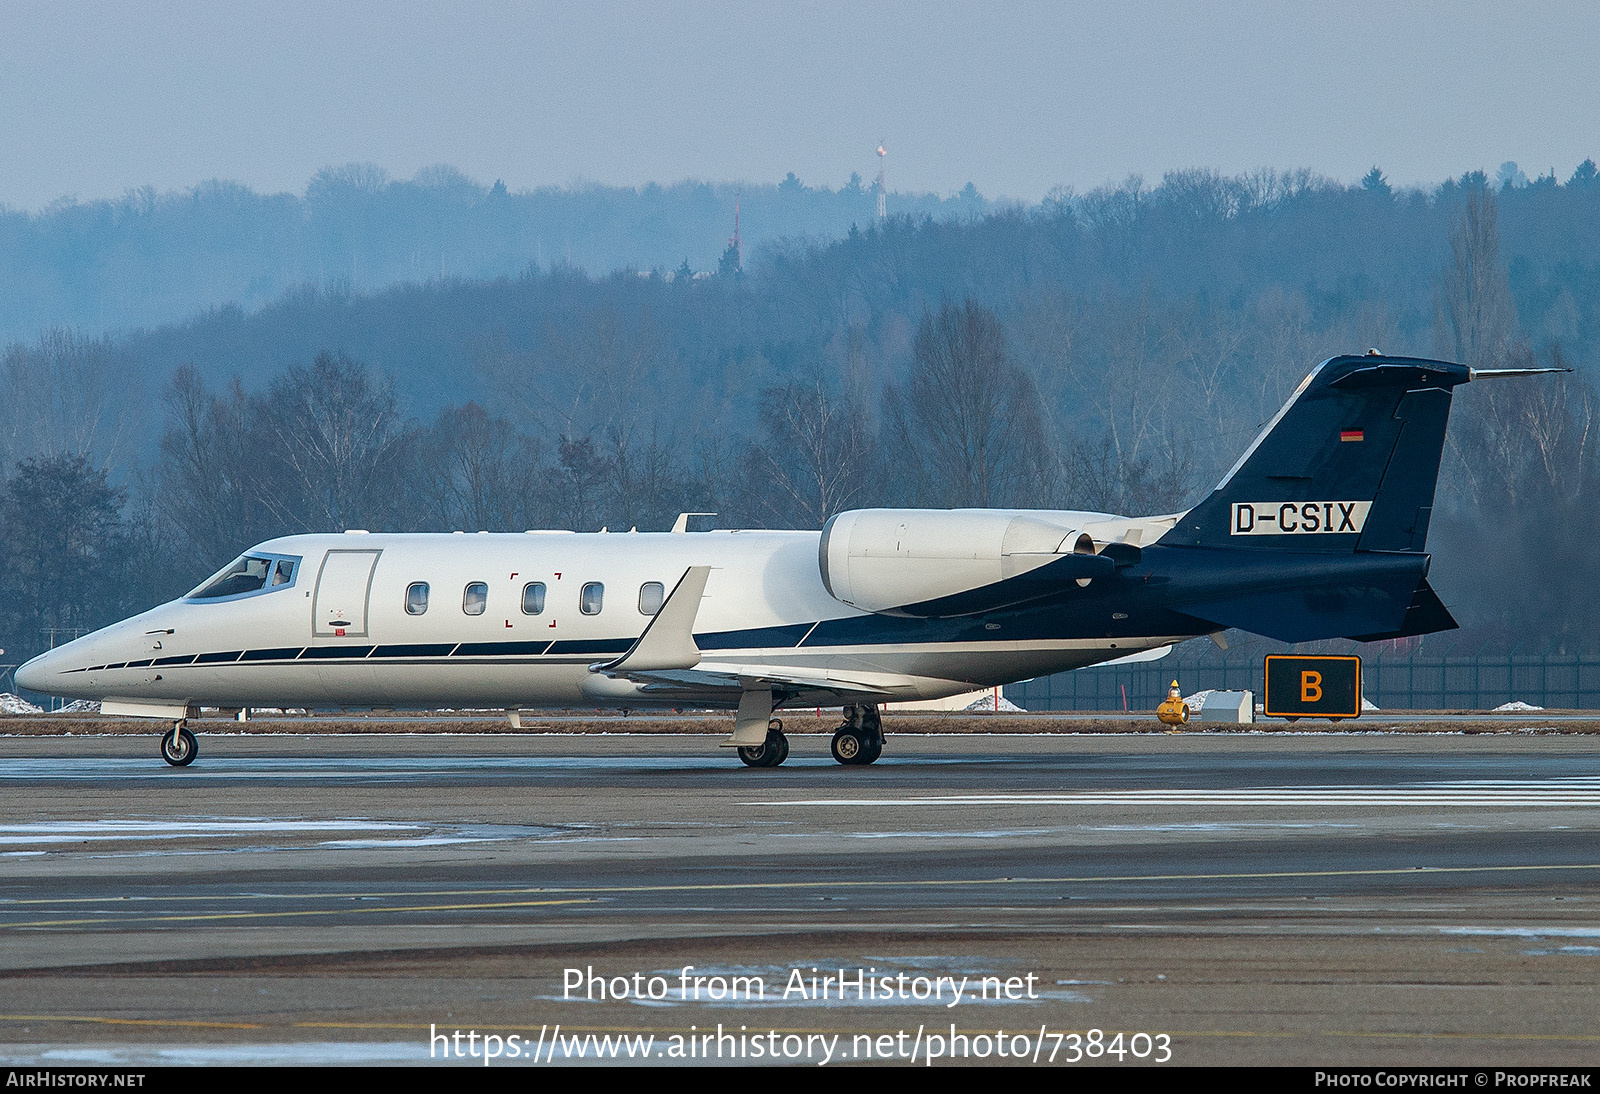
35,675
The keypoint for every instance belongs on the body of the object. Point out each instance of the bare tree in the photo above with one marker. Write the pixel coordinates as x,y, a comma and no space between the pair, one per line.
580,485
1125,372
479,473
963,427
1527,443
1476,315
210,472
1559,421
1096,479
336,440
323,449
646,478
1211,366
67,395
816,457
1520,546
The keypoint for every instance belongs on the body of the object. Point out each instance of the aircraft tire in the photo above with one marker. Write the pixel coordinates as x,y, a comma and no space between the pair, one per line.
849,748
770,753
185,752
871,753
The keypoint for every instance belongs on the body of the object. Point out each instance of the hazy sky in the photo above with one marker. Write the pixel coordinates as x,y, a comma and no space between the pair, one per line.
97,98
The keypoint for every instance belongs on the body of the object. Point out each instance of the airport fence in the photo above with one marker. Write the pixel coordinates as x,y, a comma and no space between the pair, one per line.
1391,680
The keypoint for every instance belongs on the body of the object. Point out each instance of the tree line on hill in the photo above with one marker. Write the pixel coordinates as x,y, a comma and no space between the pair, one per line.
149,258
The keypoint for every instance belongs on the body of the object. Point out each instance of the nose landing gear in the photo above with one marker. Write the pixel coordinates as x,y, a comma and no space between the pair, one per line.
179,748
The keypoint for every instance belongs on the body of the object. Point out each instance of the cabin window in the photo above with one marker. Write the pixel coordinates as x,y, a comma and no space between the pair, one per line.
417,598
593,597
475,599
533,598
651,594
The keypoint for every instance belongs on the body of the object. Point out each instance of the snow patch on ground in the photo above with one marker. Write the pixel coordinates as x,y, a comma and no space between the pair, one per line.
1515,705
12,704
995,704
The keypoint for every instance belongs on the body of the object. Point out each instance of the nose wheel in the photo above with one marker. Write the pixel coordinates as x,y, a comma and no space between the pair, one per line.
179,748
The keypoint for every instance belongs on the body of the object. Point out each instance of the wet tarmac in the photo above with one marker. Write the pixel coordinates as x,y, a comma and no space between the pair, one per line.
1254,898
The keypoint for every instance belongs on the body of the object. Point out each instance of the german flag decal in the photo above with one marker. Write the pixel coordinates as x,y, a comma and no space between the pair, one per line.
1352,435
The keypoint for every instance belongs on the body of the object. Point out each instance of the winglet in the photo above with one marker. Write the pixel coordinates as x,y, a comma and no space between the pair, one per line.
668,640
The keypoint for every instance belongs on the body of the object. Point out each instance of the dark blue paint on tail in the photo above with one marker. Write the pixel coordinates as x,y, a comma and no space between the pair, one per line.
1356,449
1358,429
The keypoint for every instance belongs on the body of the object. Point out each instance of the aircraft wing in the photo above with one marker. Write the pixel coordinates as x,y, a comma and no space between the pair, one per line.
726,681
666,663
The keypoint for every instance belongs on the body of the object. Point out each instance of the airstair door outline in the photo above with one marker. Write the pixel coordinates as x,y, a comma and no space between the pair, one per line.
344,589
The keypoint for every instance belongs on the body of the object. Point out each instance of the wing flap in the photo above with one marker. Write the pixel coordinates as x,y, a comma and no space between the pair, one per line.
726,680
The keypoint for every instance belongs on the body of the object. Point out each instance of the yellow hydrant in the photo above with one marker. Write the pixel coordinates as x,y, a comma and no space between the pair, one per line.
1173,711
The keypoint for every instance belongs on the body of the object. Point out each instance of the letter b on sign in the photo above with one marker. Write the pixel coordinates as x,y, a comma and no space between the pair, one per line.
1312,687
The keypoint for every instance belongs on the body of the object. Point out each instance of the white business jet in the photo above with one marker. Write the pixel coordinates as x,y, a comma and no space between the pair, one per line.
1317,532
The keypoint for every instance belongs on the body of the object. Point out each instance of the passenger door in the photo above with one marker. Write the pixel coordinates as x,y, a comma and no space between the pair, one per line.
344,588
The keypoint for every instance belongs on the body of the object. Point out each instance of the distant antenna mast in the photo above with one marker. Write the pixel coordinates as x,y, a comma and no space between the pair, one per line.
883,192
735,242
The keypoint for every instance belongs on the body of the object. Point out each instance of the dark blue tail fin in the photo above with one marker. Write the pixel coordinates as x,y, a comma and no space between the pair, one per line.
1319,529
1322,522
1349,463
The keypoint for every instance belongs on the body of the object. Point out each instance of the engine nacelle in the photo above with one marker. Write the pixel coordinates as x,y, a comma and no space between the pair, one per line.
880,560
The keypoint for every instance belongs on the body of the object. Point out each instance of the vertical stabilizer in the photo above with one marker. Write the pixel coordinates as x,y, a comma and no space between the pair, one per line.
1349,463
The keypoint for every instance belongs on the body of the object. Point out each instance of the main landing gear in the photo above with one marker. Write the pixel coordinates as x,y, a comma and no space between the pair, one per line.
857,742
860,739
179,748
771,752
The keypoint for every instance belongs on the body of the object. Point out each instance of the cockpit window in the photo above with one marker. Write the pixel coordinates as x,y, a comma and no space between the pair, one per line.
246,575
252,573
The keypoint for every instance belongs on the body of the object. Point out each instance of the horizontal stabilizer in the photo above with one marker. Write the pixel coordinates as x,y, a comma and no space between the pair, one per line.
1426,615
1365,597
